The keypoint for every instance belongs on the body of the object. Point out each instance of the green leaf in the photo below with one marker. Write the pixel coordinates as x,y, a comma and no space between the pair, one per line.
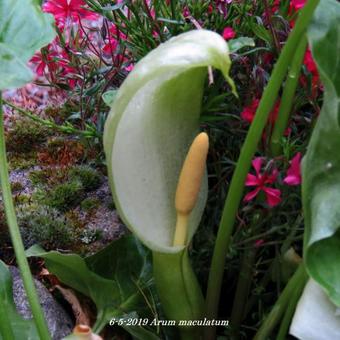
321,166
152,123
109,97
237,44
24,29
117,279
21,328
261,32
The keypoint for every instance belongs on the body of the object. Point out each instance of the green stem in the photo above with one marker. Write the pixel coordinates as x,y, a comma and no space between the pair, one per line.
173,9
247,152
298,279
242,291
284,327
287,99
16,237
178,290
67,129
243,283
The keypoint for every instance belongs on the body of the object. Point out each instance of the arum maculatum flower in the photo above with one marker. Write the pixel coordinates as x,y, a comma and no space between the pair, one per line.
152,124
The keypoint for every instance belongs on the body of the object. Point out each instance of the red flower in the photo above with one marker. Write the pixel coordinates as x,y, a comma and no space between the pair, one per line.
44,60
294,172
110,46
297,4
311,67
273,196
73,10
275,6
249,111
228,33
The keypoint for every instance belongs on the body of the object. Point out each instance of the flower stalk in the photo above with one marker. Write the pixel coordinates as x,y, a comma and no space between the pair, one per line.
296,283
16,237
287,99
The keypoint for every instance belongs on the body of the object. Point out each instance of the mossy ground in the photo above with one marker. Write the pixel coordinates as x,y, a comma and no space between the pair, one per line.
62,201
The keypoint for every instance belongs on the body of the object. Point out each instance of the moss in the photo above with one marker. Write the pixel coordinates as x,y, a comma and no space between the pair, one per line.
22,161
90,235
4,233
63,197
44,225
89,177
25,135
38,177
62,151
22,199
89,204
60,114
16,186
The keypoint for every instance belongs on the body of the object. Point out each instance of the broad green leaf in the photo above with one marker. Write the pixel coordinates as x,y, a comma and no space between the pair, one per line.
109,97
22,329
117,279
152,123
316,317
321,166
24,29
237,44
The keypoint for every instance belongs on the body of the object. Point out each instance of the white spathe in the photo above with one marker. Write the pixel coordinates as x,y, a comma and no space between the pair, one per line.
152,123
316,317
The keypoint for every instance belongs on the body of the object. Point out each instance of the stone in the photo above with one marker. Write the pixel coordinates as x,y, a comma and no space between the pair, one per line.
58,321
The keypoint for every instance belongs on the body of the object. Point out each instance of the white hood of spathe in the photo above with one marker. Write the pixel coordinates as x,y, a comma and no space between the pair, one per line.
316,317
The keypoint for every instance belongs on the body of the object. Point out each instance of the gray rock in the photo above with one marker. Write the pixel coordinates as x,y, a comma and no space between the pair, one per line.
58,321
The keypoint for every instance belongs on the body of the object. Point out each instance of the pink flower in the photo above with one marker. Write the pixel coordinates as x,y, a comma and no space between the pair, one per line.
45,60
249,111
311,67
186,12
73,10
259,180
259,243
275,6
294,172
297,4
129,68
110,46
228,33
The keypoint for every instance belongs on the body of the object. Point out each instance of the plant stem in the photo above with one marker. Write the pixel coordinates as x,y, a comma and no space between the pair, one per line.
179,291
173,9
243,283
282,335
271,27
298,279
287,99
67,129
247,152
242,291
18,246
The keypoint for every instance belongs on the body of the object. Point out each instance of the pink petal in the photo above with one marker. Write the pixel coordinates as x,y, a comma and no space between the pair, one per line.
247,114
272,177
251,180
257,163
294,172
228,33
273,196
251,195
292,180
